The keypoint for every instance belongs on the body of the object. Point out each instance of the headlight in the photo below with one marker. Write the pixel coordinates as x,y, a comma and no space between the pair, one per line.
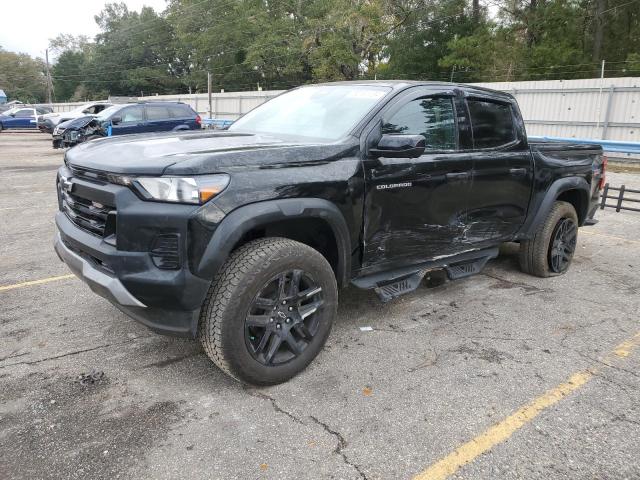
196,190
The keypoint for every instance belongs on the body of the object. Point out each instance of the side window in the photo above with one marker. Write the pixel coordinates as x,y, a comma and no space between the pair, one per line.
180,111
99,108
132,114
491,123
24,113
431,117
157,113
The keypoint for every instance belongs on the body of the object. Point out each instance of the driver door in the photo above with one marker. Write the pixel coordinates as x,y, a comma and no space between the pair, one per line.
416,208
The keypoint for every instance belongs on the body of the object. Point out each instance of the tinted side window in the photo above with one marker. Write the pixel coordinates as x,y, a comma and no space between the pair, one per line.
24,113
180,111
491,123
431,117
132,114
157,113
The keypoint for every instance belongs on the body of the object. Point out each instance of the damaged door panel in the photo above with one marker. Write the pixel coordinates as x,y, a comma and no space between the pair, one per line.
502,171
416,208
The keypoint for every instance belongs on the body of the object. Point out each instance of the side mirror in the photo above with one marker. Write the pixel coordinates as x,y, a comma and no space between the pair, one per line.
116,120
13,115
399,146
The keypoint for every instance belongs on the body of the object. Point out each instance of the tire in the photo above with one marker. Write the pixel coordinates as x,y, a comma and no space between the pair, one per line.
240,294
538,256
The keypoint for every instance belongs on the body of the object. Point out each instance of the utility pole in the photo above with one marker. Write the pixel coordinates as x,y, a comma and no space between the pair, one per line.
49,83
453,70
600,96
209,91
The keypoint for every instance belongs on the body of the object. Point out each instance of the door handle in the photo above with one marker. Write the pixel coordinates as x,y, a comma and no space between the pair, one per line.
518,172
457,175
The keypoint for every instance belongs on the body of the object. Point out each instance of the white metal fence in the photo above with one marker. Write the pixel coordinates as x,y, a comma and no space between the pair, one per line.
591,108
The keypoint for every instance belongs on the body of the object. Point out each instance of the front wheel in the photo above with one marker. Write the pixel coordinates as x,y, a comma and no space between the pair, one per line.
551,249
269,311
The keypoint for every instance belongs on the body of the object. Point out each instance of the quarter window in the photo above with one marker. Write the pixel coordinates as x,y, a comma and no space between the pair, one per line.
158,113
180,111
491,123
431,117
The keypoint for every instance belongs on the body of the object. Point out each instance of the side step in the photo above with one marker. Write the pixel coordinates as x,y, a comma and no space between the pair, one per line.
466,269
391,284
408,284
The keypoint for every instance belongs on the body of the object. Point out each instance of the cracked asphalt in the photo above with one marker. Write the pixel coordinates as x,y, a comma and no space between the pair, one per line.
440,366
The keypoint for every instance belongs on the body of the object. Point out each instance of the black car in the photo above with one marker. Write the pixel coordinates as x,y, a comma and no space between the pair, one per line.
126,119
241,238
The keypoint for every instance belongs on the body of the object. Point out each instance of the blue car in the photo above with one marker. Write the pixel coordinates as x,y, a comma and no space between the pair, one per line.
127,119
20,117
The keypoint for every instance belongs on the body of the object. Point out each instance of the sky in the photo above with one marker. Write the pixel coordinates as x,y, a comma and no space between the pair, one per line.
27,25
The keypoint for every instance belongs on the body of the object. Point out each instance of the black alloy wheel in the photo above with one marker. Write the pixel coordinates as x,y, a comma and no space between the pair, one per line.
283,318
563,245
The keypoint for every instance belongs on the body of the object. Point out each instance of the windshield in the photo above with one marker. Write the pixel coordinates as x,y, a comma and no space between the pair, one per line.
324,112
11,110
107,112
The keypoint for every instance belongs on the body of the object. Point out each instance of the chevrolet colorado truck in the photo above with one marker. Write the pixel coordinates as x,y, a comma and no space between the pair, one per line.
241,238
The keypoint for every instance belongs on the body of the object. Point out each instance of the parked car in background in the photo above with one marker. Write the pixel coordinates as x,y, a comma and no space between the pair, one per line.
20,117
46,123
141,117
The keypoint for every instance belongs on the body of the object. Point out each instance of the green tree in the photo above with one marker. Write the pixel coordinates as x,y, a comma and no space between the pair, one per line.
22,77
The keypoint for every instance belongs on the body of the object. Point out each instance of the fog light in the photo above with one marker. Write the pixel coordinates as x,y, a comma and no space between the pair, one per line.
165,251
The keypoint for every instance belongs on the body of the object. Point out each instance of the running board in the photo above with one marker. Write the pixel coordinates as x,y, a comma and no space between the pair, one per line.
466,269
391,284
390,291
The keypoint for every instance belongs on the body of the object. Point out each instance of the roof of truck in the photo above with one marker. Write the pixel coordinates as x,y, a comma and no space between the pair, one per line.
403,84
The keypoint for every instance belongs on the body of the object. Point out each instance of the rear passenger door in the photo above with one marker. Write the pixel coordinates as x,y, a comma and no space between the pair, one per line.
183,115
502,175
159,119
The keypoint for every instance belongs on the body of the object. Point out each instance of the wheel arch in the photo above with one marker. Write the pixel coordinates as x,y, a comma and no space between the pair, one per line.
574,190
312,221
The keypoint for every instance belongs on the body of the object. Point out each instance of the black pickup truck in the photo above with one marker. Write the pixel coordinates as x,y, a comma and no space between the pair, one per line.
241,238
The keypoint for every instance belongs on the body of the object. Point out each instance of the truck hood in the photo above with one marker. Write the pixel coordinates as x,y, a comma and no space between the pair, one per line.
197,153
77,123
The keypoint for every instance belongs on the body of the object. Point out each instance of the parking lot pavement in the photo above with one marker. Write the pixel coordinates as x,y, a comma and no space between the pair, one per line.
501,375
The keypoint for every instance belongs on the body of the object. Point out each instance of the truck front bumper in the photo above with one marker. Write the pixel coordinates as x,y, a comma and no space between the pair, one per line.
104,285
166,301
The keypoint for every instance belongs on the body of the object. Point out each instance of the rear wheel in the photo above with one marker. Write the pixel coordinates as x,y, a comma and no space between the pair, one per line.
269,311
551,249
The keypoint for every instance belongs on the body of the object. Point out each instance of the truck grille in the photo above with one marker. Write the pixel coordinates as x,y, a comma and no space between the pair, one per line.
90,216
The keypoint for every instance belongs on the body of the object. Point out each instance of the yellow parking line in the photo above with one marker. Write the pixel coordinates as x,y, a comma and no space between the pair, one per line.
503,430
35,282
613,237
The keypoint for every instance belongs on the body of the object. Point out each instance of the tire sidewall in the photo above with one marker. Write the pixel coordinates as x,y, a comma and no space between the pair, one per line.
242,363
562,211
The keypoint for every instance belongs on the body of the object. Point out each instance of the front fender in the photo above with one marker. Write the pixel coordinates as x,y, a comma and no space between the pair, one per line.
233,227
541,206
